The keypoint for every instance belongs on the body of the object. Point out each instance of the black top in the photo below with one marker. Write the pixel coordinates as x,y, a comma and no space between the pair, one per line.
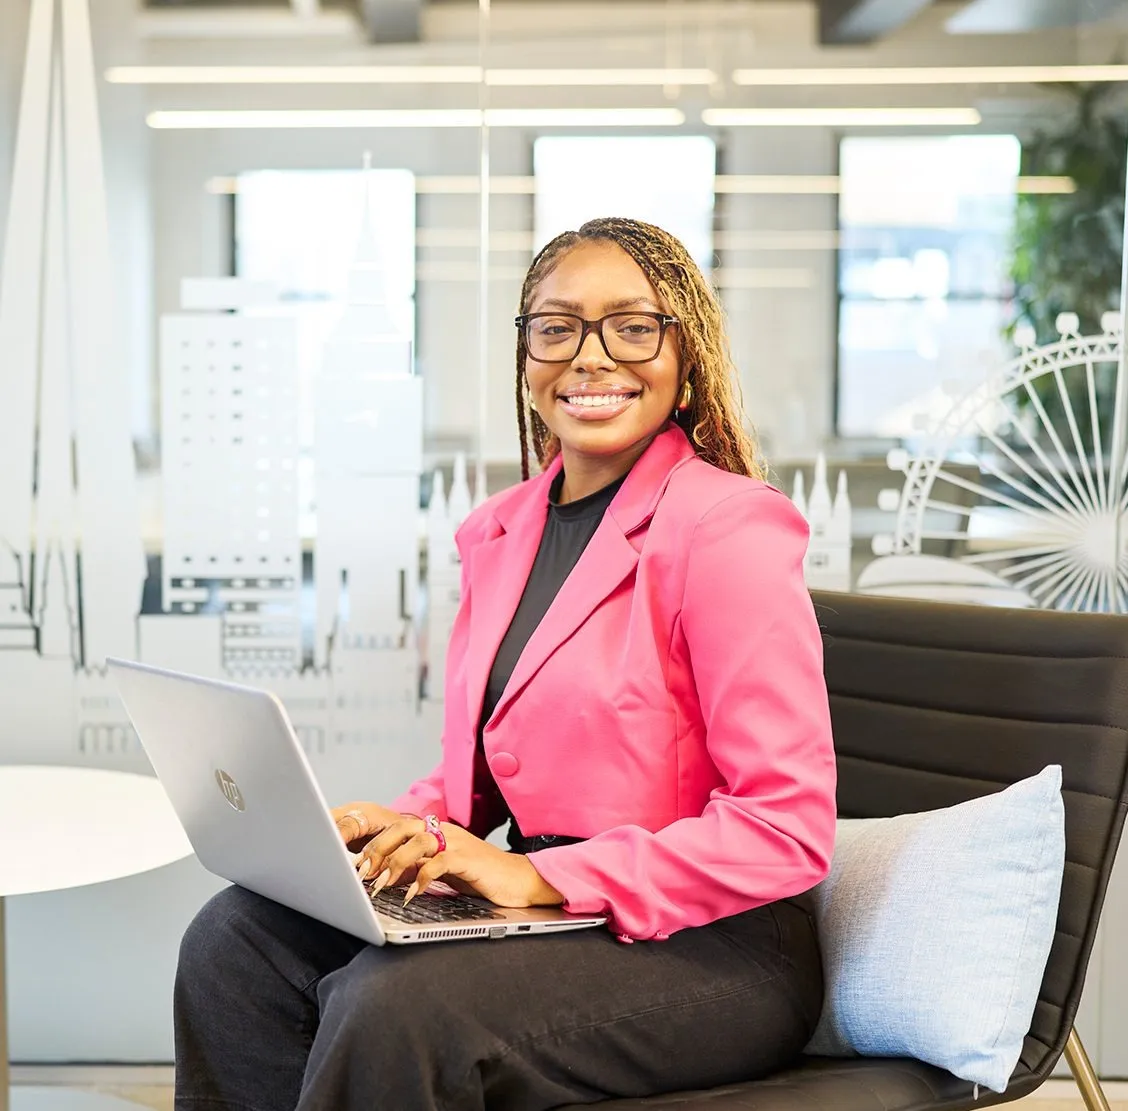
567,531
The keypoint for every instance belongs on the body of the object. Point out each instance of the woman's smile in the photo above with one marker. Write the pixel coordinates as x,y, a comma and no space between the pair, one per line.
596,402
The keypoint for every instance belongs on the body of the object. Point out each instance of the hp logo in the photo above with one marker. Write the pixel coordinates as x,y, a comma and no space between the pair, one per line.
230,790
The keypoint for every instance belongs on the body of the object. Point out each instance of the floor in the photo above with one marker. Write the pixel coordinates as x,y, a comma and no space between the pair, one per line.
151,1087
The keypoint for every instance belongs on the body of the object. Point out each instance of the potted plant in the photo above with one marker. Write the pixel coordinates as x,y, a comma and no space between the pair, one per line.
1068,247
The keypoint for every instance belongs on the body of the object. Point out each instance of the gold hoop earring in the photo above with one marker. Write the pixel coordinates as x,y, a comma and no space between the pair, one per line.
686,398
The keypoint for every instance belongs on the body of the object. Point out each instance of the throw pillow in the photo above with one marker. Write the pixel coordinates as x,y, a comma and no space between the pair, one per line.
936,927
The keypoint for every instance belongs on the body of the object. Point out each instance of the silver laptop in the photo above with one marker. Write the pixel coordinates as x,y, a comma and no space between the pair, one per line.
240,783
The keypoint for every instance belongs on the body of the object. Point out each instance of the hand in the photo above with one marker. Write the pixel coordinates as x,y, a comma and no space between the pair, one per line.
404,850
358,822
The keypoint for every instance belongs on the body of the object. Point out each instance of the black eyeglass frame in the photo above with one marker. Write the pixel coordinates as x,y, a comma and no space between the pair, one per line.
664,321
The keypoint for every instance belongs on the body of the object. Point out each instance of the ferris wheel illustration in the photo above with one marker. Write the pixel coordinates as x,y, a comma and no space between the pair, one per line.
1021,488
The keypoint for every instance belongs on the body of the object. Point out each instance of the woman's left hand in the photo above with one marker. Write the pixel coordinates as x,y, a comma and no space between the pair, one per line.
406,850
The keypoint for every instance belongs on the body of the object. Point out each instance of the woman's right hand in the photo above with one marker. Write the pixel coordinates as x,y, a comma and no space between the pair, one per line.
359,822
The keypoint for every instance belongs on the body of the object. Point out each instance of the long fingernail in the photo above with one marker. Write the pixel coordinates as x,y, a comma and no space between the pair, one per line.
412,891
381,881
364,869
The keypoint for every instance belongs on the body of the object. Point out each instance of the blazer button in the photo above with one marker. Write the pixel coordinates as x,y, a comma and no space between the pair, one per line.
504,764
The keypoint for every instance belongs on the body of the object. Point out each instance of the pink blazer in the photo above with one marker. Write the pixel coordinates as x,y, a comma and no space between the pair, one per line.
670,707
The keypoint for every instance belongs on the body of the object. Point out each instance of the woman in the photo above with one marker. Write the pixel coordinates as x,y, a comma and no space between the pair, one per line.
634,680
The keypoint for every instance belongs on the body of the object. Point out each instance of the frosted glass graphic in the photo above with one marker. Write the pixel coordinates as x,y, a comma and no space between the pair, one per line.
320,603
229,426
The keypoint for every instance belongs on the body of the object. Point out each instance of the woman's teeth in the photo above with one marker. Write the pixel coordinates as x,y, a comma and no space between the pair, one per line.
594,400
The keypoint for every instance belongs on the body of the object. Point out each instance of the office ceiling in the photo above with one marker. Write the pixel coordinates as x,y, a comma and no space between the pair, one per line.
840,21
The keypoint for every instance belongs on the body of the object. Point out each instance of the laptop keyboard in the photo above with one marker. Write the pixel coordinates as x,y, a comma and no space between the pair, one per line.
425,908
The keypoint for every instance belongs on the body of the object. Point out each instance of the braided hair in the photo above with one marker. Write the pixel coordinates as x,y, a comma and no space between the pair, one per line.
714,418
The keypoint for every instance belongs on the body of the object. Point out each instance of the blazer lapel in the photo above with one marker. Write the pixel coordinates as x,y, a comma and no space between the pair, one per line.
499,569
606,562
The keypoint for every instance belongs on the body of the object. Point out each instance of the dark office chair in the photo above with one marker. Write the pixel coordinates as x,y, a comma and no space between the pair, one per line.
1060,683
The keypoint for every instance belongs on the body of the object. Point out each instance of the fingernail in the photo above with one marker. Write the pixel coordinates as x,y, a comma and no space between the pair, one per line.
381,881
364,869
412,891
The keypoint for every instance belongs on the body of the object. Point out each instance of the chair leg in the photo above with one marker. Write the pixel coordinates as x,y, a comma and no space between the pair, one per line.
1083,1074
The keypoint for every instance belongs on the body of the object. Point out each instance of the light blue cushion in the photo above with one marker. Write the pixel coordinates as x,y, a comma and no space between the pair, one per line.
935,929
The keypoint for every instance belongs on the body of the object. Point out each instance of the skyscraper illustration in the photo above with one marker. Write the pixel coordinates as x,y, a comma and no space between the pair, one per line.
229,424
368,457
826,565
72,565
61,372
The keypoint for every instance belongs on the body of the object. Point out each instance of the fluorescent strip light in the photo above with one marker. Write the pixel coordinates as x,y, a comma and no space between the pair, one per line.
762,184
929,75
585,117
769,184
814,184
840,117
316,118
561,77
293,75
512,184
399,75
414,117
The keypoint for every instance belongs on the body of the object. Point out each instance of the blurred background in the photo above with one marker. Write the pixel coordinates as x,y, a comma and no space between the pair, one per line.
896,200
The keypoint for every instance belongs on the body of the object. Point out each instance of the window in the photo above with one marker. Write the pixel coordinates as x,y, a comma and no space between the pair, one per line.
925,232
301,229
664,180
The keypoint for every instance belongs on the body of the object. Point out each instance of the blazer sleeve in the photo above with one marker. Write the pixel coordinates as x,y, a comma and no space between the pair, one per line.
755,652
424,796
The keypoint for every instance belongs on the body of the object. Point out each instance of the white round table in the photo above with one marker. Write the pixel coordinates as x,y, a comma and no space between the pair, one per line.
125,824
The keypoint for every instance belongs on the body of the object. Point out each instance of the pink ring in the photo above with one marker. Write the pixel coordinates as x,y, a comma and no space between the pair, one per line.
431,821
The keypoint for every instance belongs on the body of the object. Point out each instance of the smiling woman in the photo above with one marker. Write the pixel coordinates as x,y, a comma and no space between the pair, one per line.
634,686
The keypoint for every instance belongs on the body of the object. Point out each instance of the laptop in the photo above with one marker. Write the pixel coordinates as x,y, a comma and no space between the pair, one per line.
240,783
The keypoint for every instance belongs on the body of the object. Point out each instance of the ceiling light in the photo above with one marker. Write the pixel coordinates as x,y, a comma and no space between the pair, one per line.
600,77
293,75
414,117
519,184
399,75
929,75
840,117
764,184
775,183
584,117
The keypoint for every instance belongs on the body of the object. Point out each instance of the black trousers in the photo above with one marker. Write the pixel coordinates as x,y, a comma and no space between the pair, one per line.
275,1011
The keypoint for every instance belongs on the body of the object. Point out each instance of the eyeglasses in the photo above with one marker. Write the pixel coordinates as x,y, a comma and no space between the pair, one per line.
627,337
